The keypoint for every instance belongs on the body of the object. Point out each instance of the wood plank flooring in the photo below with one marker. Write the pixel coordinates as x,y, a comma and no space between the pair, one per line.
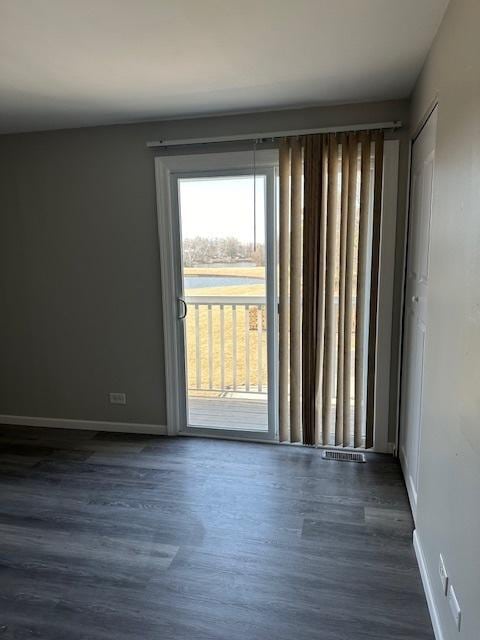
112,536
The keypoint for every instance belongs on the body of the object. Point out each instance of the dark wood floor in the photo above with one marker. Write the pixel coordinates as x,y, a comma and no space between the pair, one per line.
108,536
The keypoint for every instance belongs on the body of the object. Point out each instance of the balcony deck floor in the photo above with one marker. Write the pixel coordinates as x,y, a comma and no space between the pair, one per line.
240,413
237,414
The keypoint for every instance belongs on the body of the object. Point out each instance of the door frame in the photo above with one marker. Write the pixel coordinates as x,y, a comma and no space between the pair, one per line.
168,168
411,491
413,136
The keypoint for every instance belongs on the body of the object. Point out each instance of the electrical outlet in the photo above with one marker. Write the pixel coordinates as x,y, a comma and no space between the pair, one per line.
443,575
454,607
117,398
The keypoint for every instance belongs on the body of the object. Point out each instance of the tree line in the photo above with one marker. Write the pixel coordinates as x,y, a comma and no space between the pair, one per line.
198,251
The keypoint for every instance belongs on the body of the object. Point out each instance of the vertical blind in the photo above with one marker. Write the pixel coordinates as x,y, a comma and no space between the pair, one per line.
330,219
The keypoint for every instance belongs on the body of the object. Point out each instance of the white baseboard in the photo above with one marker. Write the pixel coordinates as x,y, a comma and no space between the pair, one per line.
411,491
90,425
432,608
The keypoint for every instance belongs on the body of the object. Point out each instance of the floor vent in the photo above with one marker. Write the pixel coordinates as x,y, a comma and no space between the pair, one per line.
343,456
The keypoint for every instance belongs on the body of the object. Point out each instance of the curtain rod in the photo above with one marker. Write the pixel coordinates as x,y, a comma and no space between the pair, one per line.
272,135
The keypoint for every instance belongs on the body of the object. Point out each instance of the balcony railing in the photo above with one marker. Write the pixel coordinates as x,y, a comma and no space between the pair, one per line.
227,344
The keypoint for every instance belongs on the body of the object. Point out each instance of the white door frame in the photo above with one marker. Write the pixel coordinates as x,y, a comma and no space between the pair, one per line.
416,132
167,168
401,395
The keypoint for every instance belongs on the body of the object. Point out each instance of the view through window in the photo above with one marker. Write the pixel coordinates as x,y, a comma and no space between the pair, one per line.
224,277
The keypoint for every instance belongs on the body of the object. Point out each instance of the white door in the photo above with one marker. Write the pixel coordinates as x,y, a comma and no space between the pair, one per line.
416,295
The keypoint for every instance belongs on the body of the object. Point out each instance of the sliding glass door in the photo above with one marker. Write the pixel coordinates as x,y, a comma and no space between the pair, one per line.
226,298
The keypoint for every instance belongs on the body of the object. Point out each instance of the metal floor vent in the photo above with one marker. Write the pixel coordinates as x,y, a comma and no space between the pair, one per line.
343,456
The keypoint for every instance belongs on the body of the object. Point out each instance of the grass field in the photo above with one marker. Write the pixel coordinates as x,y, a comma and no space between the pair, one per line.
246,333
247,272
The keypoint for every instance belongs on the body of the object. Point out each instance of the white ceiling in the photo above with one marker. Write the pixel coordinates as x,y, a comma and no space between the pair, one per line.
66,63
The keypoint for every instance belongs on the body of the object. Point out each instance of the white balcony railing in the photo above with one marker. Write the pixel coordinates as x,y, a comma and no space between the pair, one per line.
226,344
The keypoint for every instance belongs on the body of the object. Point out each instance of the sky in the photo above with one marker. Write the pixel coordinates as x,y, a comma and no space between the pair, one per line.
222,207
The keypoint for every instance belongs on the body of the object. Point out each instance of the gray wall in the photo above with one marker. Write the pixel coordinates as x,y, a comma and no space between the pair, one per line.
449,468
80,283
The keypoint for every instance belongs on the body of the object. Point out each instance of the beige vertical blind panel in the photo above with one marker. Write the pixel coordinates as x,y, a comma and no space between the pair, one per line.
329,333
339,421
360,319
283,305
350,214
312,281
374,283
296,292
320,306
